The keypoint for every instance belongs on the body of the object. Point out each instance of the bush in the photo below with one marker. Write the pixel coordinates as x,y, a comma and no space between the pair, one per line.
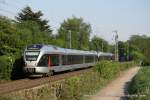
5,67
146,61
70,90
107,69
141,85
11,67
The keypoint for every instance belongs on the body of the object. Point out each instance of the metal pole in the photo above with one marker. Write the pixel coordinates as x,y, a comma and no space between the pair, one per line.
128,51
70,38
117,56
102,46
116,45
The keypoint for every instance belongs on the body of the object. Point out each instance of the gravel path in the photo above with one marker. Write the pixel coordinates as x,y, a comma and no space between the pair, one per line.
117,89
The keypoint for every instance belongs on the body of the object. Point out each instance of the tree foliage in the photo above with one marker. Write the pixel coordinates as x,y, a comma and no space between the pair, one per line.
80,33
7,36
141,44
98,44
136,48
28,15
13,38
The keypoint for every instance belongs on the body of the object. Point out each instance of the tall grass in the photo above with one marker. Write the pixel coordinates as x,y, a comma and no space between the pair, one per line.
140,85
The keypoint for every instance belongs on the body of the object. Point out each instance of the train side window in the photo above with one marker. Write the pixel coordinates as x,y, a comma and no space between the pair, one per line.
43,61
89,59
64,59
72,59
54,59
77,59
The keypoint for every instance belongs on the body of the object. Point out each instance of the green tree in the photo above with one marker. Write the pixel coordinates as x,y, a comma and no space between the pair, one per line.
99,44
140,44
79,30
8,36
28,15
138,56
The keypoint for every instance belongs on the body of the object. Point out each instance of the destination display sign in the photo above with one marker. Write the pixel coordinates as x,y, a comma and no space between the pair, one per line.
34,47
32,53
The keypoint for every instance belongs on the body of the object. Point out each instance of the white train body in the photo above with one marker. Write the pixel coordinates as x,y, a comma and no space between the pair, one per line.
42,59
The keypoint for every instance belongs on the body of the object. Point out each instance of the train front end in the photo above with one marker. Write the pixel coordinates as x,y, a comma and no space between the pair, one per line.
32,55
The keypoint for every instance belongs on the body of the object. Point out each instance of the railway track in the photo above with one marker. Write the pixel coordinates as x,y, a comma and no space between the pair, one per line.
30,83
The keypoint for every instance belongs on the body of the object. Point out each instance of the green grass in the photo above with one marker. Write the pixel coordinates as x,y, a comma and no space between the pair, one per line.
141,85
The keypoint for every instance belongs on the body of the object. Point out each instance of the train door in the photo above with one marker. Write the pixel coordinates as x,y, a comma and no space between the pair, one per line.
49,60
54,60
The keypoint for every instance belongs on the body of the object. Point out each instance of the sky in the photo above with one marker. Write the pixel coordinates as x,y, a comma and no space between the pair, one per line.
128,17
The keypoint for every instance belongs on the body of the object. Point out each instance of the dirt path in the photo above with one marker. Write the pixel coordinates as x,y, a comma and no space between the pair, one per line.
117,89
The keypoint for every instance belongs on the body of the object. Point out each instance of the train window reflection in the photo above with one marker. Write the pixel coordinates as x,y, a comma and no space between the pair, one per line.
43,61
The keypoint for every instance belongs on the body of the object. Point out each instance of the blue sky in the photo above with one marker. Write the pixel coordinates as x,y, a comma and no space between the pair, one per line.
127,16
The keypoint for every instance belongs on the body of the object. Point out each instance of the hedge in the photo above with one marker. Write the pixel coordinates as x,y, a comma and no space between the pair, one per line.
5,67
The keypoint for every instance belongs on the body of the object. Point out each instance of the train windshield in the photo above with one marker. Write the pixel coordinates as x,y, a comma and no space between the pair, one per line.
31,55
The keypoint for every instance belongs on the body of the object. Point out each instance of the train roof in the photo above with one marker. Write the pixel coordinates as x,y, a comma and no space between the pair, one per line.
105,54
59,50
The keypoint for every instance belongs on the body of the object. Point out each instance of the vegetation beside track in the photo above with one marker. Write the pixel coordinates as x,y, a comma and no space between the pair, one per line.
140,86
77,87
